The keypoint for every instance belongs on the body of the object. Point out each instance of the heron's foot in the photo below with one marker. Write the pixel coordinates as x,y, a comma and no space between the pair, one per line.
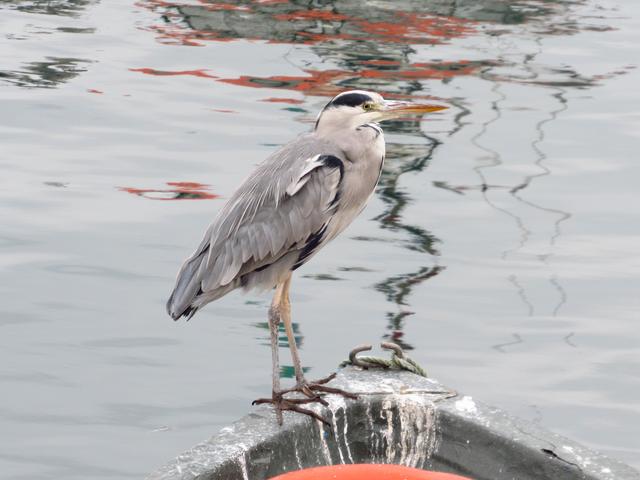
315,390
281,404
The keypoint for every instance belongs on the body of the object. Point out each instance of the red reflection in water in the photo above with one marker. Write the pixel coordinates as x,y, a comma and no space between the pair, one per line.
291,101
287,22
418,28
426,71
315,83
179,191
330,82
164,73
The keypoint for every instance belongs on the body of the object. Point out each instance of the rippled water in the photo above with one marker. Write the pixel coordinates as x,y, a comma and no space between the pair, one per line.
502,246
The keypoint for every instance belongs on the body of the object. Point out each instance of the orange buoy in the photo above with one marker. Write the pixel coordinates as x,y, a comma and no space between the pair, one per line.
368,471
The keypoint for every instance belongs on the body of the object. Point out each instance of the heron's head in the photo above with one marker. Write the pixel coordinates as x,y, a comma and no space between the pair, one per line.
357,107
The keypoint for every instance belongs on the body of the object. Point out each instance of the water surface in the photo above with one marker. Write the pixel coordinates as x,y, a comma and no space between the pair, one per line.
502,247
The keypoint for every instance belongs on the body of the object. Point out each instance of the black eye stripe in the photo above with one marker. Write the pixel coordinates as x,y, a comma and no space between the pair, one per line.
351,100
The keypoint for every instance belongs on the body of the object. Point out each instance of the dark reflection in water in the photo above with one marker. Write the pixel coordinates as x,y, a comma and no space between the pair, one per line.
365,23
396,289
51,71
76,29
369,46
67,8
405,158
48,73
323,276
503,347
525,73
304,23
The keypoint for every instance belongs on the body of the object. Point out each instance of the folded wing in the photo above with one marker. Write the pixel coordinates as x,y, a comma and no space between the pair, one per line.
272,224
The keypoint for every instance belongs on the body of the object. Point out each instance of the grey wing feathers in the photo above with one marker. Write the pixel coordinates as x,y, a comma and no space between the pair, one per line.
263,228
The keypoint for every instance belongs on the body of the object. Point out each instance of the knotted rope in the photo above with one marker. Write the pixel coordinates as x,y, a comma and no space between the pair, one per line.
398,359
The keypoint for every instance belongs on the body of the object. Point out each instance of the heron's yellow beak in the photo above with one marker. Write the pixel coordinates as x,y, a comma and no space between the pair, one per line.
400,109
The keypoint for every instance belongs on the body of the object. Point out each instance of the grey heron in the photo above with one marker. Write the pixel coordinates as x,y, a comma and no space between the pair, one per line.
294,203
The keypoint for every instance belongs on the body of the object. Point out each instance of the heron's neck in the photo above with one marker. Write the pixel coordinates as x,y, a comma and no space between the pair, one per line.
356,141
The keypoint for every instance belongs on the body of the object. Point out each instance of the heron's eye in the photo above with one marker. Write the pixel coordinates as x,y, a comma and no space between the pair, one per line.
367,106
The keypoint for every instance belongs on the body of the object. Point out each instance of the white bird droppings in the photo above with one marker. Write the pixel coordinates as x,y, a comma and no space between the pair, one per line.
466,405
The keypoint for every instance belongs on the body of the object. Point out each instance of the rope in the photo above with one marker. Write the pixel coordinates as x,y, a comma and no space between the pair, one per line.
398,360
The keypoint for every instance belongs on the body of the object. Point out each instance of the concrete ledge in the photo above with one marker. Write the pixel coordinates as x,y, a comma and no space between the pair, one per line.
399,418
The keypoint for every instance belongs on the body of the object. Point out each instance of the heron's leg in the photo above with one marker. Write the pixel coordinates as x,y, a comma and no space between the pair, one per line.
277,400
274,320
288,327
307,388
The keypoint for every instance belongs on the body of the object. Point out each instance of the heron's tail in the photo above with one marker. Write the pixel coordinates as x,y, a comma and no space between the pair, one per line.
189,309
187,296
187,288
